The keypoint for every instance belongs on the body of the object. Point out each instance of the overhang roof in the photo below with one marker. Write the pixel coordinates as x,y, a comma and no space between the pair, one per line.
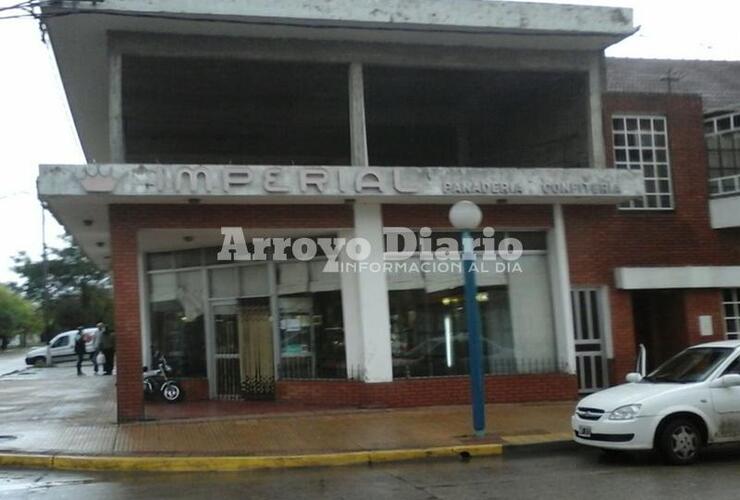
80,42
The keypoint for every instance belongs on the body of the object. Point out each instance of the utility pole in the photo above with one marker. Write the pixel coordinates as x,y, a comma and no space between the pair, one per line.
45,268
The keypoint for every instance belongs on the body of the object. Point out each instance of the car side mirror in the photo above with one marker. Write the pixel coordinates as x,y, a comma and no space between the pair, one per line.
726,381
633,377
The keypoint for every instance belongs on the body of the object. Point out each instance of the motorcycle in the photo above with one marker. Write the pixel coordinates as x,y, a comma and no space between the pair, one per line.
159,382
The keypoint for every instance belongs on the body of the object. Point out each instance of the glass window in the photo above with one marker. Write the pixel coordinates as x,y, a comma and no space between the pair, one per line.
156,261
731,310
312,336
61,341
691,365
644,149
177,321
224,282
429,334
254,280
723,145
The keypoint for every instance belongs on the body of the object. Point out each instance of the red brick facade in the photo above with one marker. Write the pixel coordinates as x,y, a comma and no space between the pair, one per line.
599,239
429,391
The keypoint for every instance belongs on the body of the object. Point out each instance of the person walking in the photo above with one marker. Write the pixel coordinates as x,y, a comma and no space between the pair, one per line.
108,346
80,349
96,346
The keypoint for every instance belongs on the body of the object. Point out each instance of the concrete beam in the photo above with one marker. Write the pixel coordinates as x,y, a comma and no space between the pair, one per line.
659,278
331,51
440,14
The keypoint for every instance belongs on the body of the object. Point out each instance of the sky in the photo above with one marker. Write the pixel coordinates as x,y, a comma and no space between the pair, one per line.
36,126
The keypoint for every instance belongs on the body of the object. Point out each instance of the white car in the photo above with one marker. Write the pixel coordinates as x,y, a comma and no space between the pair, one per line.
690,401
61,348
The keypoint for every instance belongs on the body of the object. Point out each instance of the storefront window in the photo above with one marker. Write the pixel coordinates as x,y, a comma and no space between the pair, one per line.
429,335
311,336
177,320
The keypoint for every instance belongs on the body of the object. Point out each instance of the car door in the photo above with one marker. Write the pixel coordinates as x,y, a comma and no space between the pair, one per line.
62,349
726,401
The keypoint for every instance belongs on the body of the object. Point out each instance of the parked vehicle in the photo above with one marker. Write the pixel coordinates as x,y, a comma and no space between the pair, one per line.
61,348
158,382
690,401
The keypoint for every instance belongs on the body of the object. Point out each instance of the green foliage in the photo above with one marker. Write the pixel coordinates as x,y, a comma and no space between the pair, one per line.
77,292
18,316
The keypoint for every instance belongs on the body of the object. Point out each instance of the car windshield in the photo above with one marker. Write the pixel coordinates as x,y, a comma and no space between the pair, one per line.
691,365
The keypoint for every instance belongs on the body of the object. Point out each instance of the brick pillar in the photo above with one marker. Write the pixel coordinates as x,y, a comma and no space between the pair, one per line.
702,302
623,335
124,260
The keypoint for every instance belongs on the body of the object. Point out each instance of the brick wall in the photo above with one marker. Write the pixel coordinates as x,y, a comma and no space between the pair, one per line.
703,302
601,238
124,268
429,391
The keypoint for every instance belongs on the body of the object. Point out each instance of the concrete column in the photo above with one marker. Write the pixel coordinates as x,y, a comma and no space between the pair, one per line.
357,127
597,154
369,337
115,108
144,318
351,316
557,253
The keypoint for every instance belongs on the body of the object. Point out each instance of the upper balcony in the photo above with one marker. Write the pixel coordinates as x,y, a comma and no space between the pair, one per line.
220,111
723,147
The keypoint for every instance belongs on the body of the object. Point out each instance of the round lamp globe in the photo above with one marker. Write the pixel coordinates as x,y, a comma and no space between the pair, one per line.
465,215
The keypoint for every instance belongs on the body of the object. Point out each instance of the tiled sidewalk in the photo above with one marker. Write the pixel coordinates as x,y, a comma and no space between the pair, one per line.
56,418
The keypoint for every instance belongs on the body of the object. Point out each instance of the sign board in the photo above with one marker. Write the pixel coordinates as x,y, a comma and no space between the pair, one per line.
344,182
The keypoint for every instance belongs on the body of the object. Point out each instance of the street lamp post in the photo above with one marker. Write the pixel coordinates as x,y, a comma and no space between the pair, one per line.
466,215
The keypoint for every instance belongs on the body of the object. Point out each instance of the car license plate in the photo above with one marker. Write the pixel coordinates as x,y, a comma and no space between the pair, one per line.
584,431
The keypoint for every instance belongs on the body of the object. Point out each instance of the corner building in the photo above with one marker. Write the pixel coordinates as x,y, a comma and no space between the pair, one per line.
293,119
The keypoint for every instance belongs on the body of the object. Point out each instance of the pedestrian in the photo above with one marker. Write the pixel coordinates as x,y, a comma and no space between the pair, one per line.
108,346
3,342
96,345
80,348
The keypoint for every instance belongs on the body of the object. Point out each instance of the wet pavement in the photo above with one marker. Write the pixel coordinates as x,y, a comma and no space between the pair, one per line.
12,361
53,411
573,474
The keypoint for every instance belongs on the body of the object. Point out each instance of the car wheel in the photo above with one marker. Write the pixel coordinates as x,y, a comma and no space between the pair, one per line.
39,362
680,441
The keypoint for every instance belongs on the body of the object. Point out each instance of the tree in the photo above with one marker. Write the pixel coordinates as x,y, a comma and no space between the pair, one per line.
77,292
18,316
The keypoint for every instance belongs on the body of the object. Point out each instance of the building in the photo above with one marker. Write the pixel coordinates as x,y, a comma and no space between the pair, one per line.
308,121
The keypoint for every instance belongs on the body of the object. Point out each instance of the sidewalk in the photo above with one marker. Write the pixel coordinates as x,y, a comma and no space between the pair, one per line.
75,427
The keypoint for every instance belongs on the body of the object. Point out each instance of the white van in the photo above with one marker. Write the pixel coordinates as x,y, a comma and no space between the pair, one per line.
61,348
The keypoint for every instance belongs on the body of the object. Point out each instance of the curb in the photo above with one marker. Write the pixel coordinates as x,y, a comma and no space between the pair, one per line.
239,463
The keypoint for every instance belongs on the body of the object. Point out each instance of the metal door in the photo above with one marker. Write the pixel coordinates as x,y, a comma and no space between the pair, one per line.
228,372
591,362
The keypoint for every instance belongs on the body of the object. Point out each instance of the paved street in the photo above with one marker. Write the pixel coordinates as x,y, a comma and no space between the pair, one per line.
572,474
12,360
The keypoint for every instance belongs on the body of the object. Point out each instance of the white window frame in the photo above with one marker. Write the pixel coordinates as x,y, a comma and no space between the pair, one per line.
734,302
641,165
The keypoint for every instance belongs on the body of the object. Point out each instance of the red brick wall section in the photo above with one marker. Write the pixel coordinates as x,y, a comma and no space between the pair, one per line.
247,216
196,389
701,302
623,335
601,238
125,265
497,216
429,391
